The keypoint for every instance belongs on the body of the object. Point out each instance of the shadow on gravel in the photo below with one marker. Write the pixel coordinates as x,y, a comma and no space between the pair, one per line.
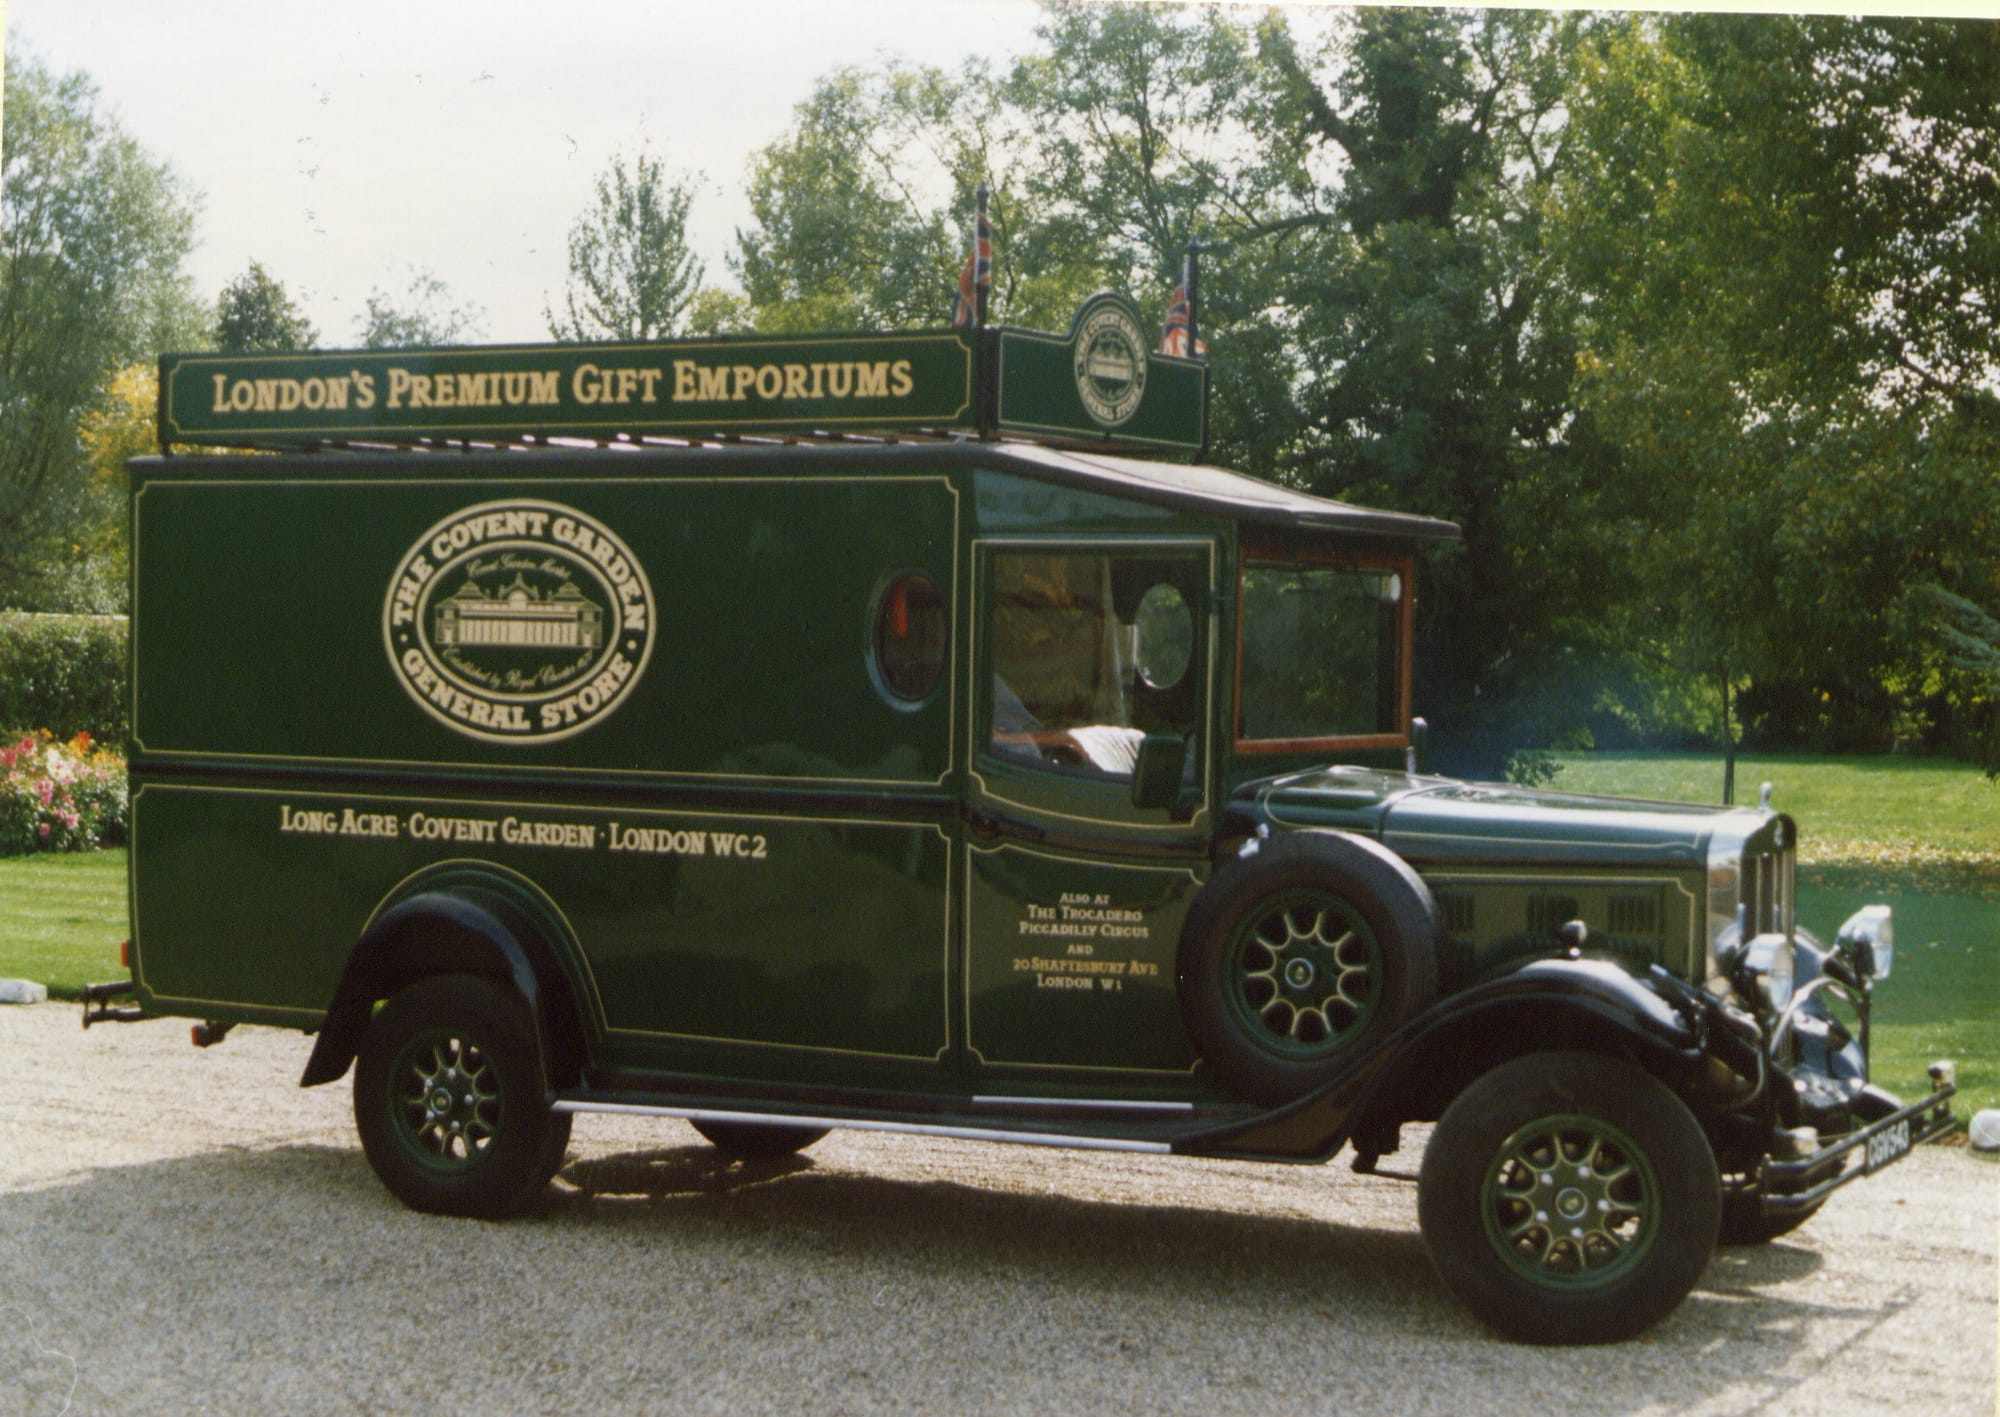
287,1255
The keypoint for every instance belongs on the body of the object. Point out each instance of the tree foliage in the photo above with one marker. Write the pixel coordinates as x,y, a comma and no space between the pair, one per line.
632,275
93,236
1686,320
255,313
424,314
1781,230
851,229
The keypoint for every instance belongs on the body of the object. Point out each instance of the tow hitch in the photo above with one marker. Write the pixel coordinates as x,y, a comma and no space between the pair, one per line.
95,1010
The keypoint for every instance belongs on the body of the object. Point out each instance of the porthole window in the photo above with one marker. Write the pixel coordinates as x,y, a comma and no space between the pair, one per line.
1164,630
910,633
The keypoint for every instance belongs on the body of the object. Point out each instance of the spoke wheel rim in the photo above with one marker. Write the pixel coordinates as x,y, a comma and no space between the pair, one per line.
1570,1203
1303,975
445,1097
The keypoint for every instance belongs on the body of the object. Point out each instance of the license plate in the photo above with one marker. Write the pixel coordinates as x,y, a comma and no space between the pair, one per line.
1889,1144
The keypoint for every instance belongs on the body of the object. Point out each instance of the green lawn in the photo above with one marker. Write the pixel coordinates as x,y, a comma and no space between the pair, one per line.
1846,808
61,918
1921,835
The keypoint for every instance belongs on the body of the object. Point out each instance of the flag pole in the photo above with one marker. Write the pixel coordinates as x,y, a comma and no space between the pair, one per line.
980,232
1191,278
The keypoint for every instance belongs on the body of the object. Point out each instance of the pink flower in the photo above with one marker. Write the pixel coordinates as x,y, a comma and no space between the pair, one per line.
46,790
44,833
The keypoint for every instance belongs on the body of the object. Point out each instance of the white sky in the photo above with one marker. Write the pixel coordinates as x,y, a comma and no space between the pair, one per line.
344,143
340,144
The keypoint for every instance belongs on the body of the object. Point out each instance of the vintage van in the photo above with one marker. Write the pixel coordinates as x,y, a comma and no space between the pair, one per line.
857,731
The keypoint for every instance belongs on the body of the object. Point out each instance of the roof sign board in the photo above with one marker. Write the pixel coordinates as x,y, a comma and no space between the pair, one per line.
680,388
1099,386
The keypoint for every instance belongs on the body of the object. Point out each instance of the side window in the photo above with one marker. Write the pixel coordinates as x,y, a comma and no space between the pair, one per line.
1321,653
1090,652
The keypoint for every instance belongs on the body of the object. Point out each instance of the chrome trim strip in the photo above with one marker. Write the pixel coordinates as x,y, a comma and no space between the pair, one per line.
926,1129
1084,1104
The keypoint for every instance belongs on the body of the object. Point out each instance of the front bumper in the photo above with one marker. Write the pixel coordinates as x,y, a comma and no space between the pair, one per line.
1791,1186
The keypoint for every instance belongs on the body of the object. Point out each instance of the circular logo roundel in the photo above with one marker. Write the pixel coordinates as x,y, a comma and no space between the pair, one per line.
519,621
1110,364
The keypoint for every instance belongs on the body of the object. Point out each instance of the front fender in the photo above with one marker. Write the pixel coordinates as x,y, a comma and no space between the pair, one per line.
1552,1004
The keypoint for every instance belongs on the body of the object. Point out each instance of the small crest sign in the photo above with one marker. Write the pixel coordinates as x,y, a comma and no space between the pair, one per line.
1102,383
1110,361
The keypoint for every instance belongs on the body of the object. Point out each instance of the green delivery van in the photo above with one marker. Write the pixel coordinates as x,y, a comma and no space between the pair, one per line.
909,732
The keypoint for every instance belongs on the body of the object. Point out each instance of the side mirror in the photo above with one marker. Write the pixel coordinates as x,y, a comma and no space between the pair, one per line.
1156,777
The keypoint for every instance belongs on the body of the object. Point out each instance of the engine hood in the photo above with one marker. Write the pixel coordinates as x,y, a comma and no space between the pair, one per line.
1429,820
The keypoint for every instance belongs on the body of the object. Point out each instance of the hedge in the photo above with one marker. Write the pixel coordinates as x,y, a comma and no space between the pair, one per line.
63,673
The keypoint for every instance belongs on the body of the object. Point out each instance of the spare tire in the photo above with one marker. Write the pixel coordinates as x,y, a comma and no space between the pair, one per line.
1299,955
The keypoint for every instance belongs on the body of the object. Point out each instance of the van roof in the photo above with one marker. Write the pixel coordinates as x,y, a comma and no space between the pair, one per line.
1216,489
1195,488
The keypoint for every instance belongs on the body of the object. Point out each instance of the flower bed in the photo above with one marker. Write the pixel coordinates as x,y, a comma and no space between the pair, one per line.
60,795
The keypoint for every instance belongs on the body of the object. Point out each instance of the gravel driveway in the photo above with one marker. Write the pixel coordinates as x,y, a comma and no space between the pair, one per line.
192,1232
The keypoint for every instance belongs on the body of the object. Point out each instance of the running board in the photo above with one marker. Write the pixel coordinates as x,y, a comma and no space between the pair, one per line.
1084,1104
923,1129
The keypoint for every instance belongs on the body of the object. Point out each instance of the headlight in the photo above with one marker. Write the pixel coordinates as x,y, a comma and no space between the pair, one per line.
1869,940
1772,961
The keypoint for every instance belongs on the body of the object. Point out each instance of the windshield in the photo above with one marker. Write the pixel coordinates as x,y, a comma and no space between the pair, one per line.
1322,652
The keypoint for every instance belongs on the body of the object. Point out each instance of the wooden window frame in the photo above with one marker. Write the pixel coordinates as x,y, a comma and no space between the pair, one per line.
1404,566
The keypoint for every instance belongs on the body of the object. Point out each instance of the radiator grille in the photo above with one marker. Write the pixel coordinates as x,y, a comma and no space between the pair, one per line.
1768,894
1548,912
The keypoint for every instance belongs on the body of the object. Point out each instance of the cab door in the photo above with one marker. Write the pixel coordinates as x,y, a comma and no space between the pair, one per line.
1085,653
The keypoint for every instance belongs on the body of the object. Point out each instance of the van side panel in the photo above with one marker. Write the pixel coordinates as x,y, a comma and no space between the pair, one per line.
695,926
267,619
749,841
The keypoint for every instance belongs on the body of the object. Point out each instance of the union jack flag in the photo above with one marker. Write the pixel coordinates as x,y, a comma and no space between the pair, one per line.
1174,338
975,277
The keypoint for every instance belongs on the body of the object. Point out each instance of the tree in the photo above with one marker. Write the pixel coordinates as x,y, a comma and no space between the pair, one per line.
631,274
1781,235
93,237
1143,128
255,313
852,223
424,315
1435,357
122,425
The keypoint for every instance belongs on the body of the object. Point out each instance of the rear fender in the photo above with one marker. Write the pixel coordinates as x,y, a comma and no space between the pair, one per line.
459,920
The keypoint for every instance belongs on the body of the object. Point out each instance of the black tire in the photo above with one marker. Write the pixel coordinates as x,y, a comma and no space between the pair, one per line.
758,1141
1552,1137
555,1151
1743,1218
1295,959
450,1100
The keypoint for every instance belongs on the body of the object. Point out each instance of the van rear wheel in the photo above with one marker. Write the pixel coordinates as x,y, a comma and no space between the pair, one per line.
450,1101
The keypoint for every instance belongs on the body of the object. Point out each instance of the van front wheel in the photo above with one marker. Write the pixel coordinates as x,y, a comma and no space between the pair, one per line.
1569,1198
450,1102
